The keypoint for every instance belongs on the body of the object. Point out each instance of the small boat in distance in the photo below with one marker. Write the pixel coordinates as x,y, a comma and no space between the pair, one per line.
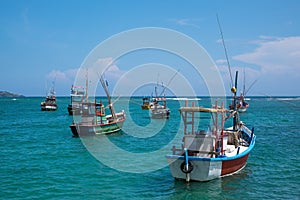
213,153
78,96
94,121
147,103
50,102
159,109
241,103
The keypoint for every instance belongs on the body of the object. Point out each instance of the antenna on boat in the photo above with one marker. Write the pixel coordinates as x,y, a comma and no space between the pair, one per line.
223,42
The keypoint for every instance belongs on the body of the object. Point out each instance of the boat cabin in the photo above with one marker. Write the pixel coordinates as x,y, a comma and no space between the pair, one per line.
204,133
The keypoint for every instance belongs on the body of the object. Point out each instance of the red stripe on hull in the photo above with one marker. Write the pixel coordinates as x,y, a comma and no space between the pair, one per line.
231,166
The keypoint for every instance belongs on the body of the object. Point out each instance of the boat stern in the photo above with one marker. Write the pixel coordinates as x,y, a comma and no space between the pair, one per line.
199,169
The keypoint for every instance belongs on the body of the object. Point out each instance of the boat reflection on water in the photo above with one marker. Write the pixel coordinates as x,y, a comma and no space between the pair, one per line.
226,188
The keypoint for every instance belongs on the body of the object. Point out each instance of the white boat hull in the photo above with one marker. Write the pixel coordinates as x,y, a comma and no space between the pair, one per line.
205,169
48,108
242,109
107,127
202,170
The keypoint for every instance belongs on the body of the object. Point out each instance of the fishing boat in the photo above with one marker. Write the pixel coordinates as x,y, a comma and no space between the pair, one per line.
94,121
50,101
78,96
147,103
159,109
242,104
212,153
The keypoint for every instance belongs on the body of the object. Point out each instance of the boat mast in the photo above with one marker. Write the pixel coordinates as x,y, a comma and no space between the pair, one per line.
52,92
104,85
86,85
233,90
244,87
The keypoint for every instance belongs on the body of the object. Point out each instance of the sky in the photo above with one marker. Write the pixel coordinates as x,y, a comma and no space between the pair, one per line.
48,41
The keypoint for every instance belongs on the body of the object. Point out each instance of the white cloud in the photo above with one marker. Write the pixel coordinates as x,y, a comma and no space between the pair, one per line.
112,71
251,75
188,22
113,68
63,80
57,75
221,61
275,55
276,61
103,62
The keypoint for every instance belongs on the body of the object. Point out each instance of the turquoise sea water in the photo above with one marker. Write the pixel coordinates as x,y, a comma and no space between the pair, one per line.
41,160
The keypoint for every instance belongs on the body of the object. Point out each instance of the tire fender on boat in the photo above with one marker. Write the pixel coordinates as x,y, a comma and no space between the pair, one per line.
186,168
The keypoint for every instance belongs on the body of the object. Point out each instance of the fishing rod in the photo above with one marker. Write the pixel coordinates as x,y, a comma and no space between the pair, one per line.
251,86
226,54
169,82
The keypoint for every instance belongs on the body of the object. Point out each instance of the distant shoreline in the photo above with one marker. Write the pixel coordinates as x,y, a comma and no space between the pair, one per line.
4,94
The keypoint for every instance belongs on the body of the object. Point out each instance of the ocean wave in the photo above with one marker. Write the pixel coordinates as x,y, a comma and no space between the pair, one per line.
289,99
